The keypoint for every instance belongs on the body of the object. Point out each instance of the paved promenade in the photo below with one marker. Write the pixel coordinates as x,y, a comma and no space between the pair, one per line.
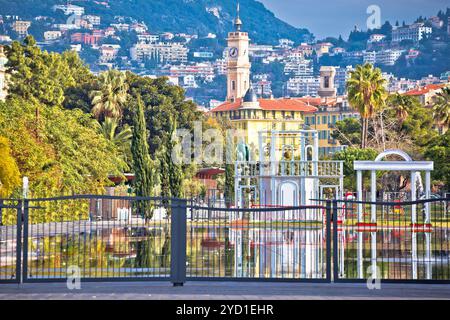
222,291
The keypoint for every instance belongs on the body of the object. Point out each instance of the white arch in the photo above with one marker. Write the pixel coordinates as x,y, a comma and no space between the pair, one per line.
397,152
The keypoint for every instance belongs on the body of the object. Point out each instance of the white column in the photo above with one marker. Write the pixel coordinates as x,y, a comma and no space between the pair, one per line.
374,255
359,184
414,255
316,146
413,197
360,258
428,268
427,196
373,196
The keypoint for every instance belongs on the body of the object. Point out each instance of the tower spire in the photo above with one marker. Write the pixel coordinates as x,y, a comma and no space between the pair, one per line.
238,22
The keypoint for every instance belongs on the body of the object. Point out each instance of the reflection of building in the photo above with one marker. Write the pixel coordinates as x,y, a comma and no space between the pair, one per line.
272,253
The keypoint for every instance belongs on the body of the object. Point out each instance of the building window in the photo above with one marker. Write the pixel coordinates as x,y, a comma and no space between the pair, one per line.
326,82
324,120
233,85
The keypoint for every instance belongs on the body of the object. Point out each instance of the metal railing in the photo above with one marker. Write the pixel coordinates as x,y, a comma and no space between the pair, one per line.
108,238
297,168
392,241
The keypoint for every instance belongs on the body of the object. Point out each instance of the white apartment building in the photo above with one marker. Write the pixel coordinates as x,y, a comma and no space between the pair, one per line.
303,86
376,38
148,38
94,20
189,82
383,57
414,32
108,52
162,51
221,66
388,57
369,57
341,77
70,9
285,43
201,70
299,68
52,35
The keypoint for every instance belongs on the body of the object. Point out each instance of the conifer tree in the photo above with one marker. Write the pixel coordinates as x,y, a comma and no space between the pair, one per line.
143,181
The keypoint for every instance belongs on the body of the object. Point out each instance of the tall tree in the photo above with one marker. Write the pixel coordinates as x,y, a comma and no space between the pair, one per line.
170,169
9,171
109,99
121,138
366,93
143,181
441,109
402,105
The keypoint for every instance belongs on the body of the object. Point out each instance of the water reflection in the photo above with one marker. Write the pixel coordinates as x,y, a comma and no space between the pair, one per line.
240,251
394,253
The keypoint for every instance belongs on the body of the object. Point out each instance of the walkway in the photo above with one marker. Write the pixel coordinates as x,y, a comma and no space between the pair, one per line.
222,290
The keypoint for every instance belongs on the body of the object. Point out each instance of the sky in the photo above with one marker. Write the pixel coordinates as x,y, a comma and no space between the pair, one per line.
338,17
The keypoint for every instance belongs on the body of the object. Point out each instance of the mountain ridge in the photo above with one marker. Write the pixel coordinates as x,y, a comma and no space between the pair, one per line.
188,16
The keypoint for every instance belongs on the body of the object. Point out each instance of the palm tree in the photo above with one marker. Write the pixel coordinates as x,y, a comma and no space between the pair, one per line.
441,108
402,105
111,95
366,93
121,139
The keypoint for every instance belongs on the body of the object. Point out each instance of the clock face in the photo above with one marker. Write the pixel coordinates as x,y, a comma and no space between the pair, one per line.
233,52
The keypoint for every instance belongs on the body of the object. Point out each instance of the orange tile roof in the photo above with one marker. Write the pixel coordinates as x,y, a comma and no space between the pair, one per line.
270,105
424,90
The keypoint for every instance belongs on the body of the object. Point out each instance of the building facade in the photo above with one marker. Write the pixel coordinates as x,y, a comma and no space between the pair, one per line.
414,32
238,70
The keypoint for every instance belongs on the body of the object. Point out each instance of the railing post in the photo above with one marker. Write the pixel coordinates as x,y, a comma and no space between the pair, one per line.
335,242
178,243
26,208
329,240
19,242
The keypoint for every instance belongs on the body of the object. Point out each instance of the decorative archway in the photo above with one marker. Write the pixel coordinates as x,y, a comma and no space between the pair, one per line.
414,167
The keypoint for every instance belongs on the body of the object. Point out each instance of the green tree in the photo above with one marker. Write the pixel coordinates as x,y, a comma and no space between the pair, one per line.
402,105
43,76
109,99
441,108
439,152
171,174
349,155
348,132
366,93
9,171
120,138
143,181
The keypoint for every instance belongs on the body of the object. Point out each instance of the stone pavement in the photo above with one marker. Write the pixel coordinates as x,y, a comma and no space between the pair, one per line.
222,291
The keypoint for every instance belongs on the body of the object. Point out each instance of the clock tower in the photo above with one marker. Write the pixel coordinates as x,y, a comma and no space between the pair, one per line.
238,66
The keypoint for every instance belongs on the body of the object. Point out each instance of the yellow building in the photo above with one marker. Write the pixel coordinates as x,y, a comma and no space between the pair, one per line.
252,115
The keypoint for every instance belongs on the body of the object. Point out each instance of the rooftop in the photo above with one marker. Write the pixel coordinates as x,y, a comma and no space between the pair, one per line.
283,104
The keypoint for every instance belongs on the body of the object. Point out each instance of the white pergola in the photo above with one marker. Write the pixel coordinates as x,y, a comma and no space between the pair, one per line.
407,165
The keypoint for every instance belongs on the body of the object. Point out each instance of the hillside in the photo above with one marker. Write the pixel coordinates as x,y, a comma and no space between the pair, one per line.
188,16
